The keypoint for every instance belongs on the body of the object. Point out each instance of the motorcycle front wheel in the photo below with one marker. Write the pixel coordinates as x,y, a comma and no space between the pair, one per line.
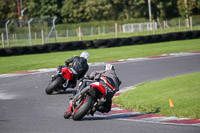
83,108
67,115
54,85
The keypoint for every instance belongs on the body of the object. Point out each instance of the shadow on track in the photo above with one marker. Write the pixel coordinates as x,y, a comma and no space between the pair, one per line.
65,92
111,117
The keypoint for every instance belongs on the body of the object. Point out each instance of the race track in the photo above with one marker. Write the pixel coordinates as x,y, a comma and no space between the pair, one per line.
25,108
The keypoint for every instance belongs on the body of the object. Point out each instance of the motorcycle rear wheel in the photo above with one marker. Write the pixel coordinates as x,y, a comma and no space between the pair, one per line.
54,85
82,110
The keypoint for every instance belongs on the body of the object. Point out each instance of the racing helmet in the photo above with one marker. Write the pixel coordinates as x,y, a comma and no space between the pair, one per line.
85,55
109,67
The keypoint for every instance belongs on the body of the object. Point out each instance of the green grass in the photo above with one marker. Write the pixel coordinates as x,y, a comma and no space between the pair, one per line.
52,60
153,97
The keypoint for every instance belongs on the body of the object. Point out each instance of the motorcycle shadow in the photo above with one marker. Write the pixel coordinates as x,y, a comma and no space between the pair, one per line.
111,117
68,91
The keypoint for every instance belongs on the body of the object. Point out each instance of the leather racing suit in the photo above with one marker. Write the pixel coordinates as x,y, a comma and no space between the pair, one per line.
79,67
112,86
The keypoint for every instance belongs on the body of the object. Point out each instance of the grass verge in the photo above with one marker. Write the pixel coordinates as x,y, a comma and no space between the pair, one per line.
153,97
52,60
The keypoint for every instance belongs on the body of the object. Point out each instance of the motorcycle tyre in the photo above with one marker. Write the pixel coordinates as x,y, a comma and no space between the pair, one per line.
54,85
82,111
67,115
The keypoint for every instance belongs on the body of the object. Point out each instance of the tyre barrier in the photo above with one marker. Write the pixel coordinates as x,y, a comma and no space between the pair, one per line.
52,47
78,45
102,43
125,42
89,44
114,42
3,52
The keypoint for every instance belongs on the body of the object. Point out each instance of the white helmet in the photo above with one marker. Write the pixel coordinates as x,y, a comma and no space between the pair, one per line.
109,67
85,55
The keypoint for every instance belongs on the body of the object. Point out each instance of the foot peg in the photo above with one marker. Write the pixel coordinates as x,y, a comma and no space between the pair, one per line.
70,97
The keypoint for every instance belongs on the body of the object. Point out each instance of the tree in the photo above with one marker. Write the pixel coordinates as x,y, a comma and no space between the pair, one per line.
33,8
99,10
86,10
164,9
73,11
8,10
39,8
128,8
187,7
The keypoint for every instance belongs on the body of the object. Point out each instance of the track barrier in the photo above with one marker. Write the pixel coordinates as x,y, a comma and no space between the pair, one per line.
101,43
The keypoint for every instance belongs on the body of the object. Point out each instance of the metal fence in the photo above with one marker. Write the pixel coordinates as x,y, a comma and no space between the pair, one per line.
36,31
129,28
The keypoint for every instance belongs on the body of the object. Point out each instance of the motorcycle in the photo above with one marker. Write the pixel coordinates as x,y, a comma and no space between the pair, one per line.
87,101
61,81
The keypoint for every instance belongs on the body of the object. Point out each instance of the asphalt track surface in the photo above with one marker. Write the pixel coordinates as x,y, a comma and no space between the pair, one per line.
25,108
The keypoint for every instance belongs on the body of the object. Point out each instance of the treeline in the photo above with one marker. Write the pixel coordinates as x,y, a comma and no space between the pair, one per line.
73,11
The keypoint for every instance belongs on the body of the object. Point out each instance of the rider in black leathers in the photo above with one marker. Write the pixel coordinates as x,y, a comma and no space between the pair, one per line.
79,66
112,88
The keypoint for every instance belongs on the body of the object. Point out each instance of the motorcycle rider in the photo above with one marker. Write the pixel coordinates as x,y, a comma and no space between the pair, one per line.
112,85
79,66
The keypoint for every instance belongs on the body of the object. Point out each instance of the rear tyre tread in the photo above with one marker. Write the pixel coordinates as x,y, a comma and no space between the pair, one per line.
54,85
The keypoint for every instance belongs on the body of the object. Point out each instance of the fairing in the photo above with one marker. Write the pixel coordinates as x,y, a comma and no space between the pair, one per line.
67,73
100,87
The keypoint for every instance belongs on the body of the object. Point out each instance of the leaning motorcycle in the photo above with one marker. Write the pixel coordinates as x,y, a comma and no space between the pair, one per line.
87,101
61,81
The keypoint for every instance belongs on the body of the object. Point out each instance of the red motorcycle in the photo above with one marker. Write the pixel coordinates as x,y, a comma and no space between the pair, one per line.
88,100
61,81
